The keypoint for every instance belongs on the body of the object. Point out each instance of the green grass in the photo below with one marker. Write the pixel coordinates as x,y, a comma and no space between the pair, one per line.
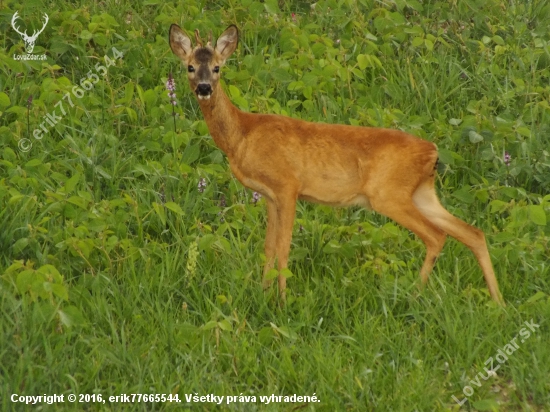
119,276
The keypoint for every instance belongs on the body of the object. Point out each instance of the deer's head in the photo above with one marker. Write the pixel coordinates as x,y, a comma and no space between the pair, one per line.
204,61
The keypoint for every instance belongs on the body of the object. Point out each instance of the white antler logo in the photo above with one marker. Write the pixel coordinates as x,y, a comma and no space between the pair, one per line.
29,40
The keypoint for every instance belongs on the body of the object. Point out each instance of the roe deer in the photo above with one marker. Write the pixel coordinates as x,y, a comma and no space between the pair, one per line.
287,159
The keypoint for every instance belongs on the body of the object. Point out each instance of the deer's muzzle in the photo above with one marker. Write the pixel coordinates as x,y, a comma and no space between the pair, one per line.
203,90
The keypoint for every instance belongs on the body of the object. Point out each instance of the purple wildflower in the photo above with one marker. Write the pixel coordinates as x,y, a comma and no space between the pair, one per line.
171,87
507,158
256,197
202,184
29,102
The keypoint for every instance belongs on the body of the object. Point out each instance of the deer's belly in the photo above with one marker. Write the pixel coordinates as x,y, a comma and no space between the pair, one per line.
334,191
331,187
354,200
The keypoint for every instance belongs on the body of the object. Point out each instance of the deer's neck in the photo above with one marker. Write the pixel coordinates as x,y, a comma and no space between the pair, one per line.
222,119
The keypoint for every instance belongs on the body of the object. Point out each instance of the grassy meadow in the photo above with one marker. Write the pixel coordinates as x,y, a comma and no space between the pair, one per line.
131,258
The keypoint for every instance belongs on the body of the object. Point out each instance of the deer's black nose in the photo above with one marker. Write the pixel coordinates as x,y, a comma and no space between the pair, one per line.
204,89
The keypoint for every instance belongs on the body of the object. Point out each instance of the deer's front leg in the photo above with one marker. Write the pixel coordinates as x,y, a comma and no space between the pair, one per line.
286,209
270,241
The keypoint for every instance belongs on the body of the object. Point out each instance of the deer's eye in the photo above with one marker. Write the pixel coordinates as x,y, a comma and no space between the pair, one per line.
190,69
217,69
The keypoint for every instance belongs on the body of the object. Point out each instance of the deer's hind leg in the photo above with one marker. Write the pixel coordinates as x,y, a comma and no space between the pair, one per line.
425,199
403,211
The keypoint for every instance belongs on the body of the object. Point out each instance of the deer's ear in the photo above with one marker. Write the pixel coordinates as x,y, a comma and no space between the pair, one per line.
227,42
180,43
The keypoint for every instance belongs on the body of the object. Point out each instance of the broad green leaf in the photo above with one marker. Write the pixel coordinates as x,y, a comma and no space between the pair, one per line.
446,156
24,280
214,210
19,110
285,331
18,264
503,237
33,163
241,102
286,273
266,335
128,91
85,247
223,244
498,206
524,131
271,274
85,35
9,154
174,207
4,100
150,98
368,60
20,245
510,192
363,61
131,114
71,316
60,291
100,39
71,183
272,6
357,73
369,35
50,271
281,75
537,296
464,195
225,325
488,154
418,41
483,195
234,92
332,247
161,213
190,154
537,215
16,198
78,201
498,40
475,137
429,44
152,146
210,325
299,253
414,4
205,243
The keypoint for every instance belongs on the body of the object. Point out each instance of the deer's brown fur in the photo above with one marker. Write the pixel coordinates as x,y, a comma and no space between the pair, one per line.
287,159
